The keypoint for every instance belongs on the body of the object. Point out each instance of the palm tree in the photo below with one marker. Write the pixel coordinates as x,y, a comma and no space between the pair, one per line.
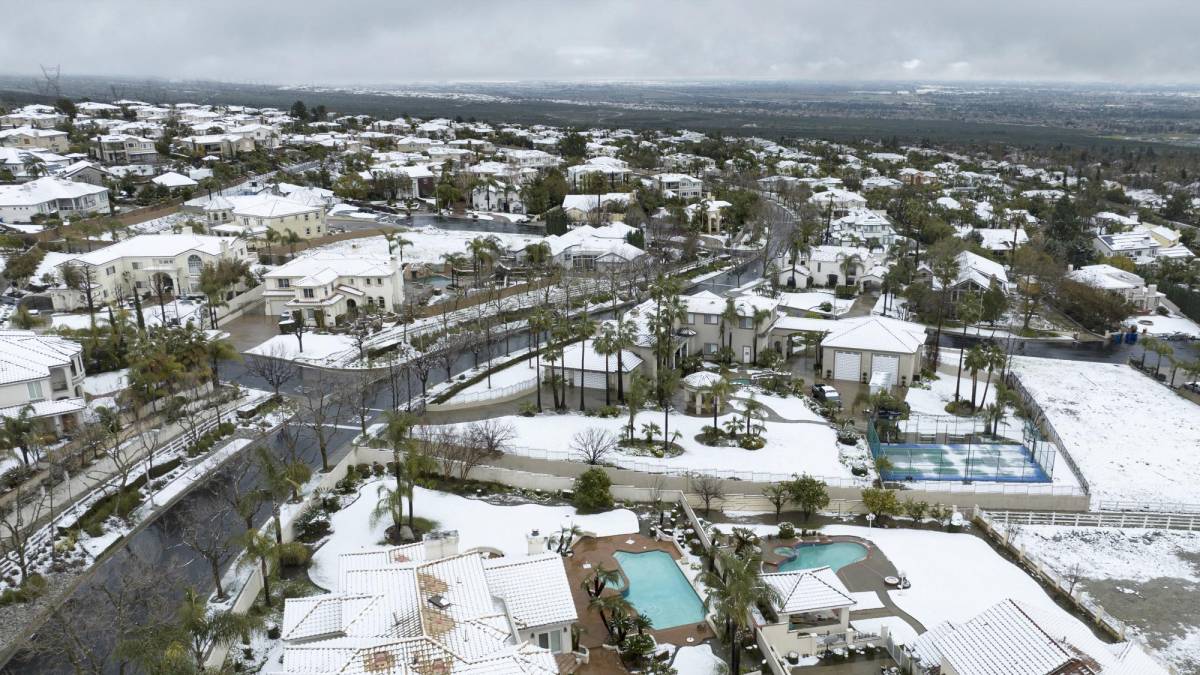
195,631
760,316
453,260
220,349
483,251
995,359
608,603
264,550
390,504
416,466
752,409
291,239
977,360
599,578
625,338
728,318
848,264
733,594
537,255
271,236
718,393
585,329
639,391
604,344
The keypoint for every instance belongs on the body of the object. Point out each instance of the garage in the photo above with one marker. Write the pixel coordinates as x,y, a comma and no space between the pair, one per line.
846,365
885,363
591,380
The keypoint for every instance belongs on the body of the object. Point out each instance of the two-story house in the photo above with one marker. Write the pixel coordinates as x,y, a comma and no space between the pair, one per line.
217,145
864,227
325,286
146,264
123,149
680,185
33,137
43,372
253,215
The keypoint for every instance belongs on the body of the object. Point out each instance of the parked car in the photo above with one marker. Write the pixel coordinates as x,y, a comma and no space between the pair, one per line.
1192,386
826,394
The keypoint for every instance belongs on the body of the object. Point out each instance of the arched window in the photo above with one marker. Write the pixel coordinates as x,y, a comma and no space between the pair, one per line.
194,264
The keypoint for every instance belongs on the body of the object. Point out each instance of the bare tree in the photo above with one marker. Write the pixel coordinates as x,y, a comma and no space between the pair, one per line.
17,530
273,367
422,364
207,534
322,403
441,443
593,445
1073,575
708,488
240,493
492,435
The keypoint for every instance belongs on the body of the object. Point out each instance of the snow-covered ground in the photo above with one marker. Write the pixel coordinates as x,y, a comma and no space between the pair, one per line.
933,401
106,383
430,243
1165,325
790,448
1133,439
479,524
697,660
182,308
517,373
317,347
1111,553
811,302
792,408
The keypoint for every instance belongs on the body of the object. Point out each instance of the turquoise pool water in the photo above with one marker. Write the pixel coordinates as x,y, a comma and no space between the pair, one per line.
658,589
836,555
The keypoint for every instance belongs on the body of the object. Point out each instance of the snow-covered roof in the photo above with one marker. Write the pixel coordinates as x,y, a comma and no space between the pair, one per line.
1017,639
594,361
62,406
809,590
1106,277
174,180
876,334
452,614
25,355
701,379
587,203
154,246
44,190
707,302
607,239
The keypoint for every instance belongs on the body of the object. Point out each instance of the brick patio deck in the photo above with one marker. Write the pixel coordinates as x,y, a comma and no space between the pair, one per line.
599,551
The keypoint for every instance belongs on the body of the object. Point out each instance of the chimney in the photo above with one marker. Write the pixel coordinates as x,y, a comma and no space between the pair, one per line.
536,542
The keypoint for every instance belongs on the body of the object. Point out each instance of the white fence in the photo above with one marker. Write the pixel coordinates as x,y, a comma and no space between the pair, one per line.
464,399
1068,588
1117,519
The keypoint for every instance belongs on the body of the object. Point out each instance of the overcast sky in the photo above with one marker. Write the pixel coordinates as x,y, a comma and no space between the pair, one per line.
396,41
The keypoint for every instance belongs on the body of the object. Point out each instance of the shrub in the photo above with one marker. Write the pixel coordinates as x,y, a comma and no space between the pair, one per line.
528,409
881,502
592,491
751,442
294,554
786,530
608,411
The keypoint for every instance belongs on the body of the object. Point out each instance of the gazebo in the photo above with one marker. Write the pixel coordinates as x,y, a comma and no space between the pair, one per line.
698,385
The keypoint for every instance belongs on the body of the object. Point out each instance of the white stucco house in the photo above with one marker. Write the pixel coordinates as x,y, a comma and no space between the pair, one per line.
326,284
49,196
42,372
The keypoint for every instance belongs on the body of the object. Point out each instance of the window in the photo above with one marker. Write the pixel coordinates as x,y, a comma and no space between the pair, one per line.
284,283
35,391
710,348
551,641
137,265
308,231
691,319
745,322
194,264
308,293
711,319
110,271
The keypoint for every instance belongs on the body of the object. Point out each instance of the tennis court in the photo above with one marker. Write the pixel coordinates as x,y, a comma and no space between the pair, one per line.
924,447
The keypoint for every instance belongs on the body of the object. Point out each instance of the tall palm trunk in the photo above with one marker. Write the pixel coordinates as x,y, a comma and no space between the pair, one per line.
620,377
607,389
582,361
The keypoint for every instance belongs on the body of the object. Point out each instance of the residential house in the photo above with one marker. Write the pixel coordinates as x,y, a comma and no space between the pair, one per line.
838,202
255,214
579,208
425,608
25,165
1137,245
679,185
1128,285
145,263
496,196
174,181
45,373
217,145
581,363
614,171
50,196
328,284
864,227
123,149
530,159
709,212
84,171
34,137
38,116
594,248
263,136
975,275
1015,638
813,609
832,266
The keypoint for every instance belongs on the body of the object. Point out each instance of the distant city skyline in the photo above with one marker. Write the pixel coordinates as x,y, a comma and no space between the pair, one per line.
360,42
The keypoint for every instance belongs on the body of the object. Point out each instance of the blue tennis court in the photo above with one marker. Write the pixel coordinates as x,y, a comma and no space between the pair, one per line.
995,462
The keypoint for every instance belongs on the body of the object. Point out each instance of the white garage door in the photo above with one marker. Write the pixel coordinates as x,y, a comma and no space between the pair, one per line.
886,364
591,380
845,366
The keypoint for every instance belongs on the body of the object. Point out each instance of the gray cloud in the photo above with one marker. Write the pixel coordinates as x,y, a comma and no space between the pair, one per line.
373,41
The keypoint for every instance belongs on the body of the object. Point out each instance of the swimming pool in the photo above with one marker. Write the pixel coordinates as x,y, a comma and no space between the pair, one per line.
806,556
658,590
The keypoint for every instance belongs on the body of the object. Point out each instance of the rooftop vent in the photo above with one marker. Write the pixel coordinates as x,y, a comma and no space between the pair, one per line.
439,601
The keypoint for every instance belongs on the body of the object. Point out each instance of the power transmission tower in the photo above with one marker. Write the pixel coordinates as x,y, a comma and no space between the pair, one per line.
49,84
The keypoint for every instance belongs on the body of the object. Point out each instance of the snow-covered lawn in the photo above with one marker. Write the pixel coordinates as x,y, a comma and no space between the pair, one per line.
790,448
106,383
792,408
1111,553
933,401
479,524
1133,439
1165,325
517,373
697,660
430,243
317,347
811,301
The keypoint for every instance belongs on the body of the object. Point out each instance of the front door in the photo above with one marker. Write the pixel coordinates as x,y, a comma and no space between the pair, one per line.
747,354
